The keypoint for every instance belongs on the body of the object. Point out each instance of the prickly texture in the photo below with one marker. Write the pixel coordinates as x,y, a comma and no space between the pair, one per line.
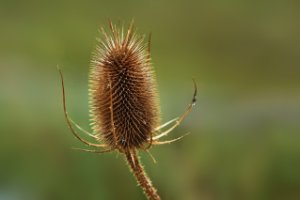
140,174
123,92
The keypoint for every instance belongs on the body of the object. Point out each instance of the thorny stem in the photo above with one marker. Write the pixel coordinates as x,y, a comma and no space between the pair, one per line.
141,176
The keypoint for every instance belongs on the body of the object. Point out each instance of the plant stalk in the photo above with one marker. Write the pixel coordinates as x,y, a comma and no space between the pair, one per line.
141,176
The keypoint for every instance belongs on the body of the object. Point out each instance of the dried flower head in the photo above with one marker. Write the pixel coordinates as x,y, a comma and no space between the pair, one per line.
124,101
123,92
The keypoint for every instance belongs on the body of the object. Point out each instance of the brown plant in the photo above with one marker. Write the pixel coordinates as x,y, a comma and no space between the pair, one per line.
124,101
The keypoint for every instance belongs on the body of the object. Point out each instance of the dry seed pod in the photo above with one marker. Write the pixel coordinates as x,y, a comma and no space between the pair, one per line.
123,92
123,98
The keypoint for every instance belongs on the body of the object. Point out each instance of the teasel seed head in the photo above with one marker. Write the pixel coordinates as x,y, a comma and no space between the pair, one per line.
124,102
123,95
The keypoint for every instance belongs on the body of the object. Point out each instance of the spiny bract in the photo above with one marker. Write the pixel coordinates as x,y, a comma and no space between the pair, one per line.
123,95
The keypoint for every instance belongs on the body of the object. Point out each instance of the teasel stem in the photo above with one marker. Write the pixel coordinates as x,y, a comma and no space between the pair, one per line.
141,176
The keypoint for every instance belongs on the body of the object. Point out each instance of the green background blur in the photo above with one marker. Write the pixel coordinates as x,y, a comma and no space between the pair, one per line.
245,141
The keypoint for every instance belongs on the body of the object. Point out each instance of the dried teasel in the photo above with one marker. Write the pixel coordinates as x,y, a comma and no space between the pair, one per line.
124,101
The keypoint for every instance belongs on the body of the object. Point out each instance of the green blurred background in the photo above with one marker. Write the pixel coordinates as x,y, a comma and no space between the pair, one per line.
245,141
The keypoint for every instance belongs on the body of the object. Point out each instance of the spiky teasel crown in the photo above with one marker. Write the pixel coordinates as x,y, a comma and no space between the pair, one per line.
123,94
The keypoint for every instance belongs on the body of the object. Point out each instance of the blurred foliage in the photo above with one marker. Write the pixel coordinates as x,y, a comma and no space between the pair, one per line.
245,127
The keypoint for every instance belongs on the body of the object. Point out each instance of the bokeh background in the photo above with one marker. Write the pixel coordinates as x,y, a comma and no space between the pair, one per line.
245,141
